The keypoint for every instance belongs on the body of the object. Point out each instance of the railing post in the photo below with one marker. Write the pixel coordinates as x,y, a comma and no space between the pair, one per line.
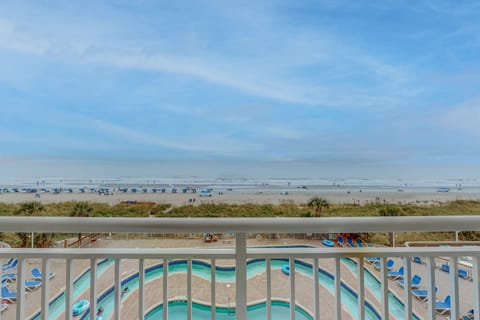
476,283
407,265
431,287
241,275
93,288
454,309
21,289
361,289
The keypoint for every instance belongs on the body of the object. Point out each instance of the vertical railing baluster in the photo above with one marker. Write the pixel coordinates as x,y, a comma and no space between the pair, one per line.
69,290
141,289
338,291
407,272
361,289
292,289
1,277
431,288
268,268
476,283
241,275
213,285
189,289
45,288
165,288
316,289
384,284
454,300
93,288
117,290
21,289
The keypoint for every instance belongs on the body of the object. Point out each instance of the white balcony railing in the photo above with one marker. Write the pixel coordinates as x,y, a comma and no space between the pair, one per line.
305,267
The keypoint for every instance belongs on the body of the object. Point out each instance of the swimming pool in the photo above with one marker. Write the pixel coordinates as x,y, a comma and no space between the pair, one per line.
178,310
82,283
227,274
395,305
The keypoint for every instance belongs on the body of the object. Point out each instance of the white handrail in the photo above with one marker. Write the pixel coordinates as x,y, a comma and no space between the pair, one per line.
240,225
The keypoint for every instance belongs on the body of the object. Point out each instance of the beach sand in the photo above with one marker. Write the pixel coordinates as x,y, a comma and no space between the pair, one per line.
260,196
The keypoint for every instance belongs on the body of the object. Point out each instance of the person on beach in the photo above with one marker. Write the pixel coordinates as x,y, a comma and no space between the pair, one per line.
469,316
99,314
124,292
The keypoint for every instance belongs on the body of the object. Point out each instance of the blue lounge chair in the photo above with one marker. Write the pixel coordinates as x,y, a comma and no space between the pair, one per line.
415,282
340,241
8,295
390,264
10,266
359,243
373,259
421,294
10,277
31,285
445,268
9,262
463,274
396,275
443,306
37,274
417,260
350,242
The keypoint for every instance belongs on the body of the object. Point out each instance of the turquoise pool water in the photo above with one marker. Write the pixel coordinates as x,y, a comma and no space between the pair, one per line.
82,283
202,269
178,309
395,306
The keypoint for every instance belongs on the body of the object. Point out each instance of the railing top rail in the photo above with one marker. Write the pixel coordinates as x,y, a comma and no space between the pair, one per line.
240,225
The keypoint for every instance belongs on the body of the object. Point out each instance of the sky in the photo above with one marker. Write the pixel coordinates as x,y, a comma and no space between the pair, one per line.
335,87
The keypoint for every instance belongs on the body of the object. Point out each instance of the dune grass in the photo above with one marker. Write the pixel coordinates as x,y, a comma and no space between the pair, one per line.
289,209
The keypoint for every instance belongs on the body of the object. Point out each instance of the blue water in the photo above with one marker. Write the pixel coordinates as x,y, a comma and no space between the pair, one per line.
82,283
395,306
227,274
178,310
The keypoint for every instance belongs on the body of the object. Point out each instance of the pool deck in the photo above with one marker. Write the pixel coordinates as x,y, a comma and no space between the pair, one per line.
225,293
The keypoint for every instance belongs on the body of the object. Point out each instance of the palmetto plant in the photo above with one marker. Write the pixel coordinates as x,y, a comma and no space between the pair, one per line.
81,209
31,208
318,204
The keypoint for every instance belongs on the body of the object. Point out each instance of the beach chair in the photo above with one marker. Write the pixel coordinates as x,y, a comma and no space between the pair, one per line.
350,242
396,275
8,295
9,262
445,268
37,274
463,274
390,264
373,259
10,277
3,307
340,241
8,267
360,244
414,284
443,306
31,285
421,294
417,260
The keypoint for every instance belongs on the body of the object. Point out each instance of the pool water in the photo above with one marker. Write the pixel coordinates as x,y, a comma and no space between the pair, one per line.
178,310
80,285
227,274
395,306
